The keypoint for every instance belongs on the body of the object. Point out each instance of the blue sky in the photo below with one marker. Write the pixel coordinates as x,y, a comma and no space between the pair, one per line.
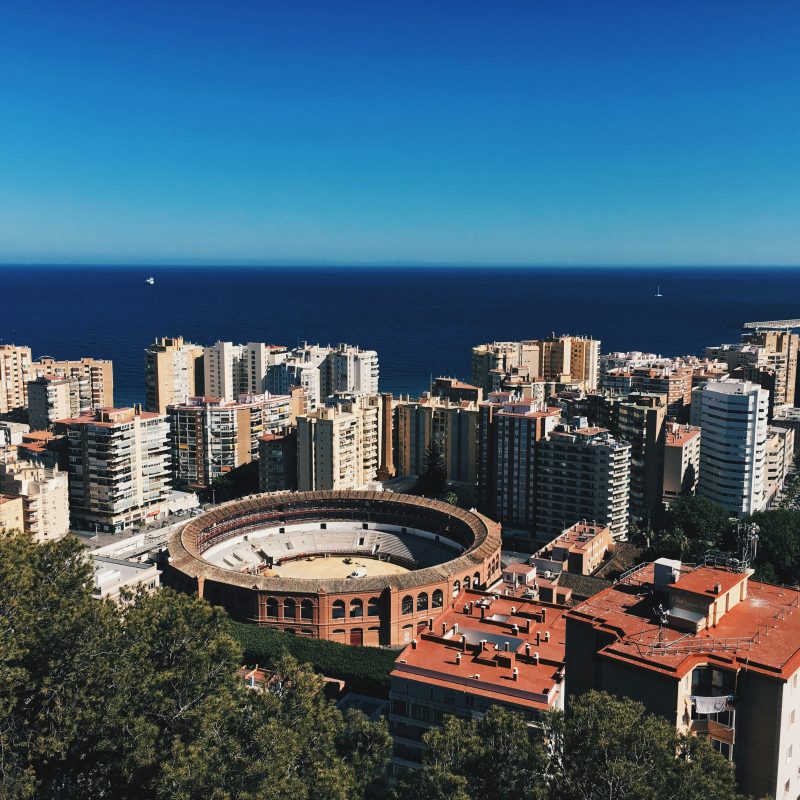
529,132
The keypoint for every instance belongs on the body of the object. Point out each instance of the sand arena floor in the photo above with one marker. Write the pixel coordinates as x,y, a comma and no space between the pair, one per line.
334,567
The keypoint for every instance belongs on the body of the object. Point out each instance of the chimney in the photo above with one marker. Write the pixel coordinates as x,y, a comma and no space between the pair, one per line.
513,609
538,639
547,636
528,648
455,627
505,646
515,628
463,644
458,658
444,628
430,623
483,612
483,644
413,644
717,588
544,614
536,658
514,674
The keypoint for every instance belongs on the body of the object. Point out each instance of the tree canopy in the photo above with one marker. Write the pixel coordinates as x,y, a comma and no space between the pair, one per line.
433,479
140,701
606,748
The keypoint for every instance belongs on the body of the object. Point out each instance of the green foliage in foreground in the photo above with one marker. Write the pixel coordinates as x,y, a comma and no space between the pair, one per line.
605,749
143,701
366,669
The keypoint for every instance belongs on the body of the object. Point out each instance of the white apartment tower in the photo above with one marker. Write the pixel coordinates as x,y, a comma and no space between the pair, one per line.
733,421
15,364
235,369
119,463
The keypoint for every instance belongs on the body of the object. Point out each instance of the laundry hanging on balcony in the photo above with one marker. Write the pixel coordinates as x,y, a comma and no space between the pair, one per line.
709,705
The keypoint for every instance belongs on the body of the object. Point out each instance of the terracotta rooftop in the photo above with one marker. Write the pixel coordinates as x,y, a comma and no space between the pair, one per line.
678,436
760,633
485,667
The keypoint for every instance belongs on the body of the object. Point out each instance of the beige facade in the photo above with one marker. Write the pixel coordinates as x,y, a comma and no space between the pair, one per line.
232,369
453,426
173,372
681,461
211,436
338,447
51,398
44,494
99,372
119,461
780,455
15,364
11,513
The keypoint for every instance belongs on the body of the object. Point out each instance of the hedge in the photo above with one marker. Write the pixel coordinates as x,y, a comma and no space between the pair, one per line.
364,669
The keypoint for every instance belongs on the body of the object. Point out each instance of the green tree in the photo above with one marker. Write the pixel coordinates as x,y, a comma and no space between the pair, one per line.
778,553
142,701
433,478
690,527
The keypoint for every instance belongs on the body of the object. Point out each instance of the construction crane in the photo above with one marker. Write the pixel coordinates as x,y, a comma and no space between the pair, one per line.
776,324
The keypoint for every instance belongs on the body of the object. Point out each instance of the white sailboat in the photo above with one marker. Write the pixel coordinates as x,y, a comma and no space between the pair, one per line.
658,292
150,280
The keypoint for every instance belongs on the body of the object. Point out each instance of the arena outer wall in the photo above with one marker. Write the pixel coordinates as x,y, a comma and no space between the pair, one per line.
375,607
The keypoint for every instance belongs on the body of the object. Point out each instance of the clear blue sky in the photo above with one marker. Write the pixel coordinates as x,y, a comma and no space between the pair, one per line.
537,131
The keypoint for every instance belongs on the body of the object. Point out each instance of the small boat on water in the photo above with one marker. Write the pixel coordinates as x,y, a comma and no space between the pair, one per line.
150,280
658,292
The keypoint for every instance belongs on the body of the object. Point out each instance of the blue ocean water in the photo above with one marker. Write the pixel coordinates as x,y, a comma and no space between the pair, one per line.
422,321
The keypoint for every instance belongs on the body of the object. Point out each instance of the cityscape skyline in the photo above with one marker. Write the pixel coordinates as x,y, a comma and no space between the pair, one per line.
662,133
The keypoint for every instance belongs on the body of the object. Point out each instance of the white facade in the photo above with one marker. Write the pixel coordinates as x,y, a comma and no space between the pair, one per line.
733,422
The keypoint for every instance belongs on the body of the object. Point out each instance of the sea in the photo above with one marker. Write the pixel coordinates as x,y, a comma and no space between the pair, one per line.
422,321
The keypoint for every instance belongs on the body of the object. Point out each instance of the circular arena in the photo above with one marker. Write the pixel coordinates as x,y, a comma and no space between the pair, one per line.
357,567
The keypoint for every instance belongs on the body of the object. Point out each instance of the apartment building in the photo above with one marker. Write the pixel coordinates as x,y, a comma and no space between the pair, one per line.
642,421
456,391
779,460
325,371
52,398
681,461
579,549
338,446
485,650
277,461
173,371
11,513
119,467
15,365
583,473
452,426
733,421
44,493
211,436
560,359
712,651
99,373
509,436
232,369
673,380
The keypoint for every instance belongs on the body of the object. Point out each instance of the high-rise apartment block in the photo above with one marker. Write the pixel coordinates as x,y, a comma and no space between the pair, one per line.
780,459
681,461
15,365
722,662
235,369
173,371
510,433
325,371
452,426
733,421
277,461
98,392
583,473
557,359
211,436
119,461
44,493
338,446
52,398
674,381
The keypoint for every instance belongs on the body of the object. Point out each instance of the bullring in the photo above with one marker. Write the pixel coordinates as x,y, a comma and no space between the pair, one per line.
284,561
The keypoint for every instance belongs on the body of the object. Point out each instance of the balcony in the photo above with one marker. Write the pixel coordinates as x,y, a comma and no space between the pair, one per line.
714,730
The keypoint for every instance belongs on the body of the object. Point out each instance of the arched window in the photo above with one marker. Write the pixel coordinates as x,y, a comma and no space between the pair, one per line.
272,607
476,580
306,610
356,608
456,588
408,605
374,607
289,608
437,600
466,582
422,601
337,611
